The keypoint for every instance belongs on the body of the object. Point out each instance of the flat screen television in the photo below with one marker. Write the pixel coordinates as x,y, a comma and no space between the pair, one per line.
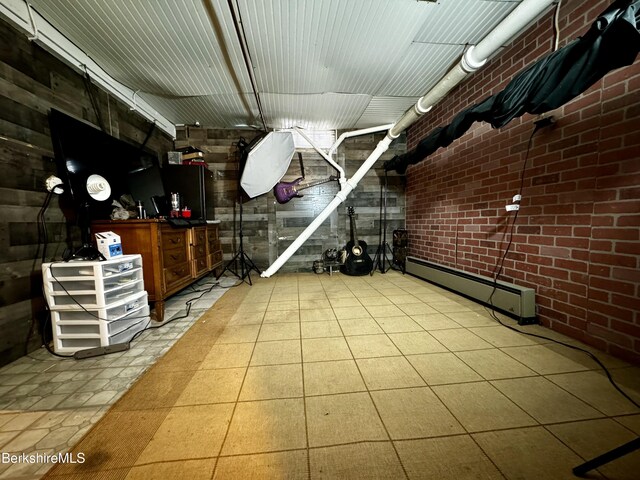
146,185
82,150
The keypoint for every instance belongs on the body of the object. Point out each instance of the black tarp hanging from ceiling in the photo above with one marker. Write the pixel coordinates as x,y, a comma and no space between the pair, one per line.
613,41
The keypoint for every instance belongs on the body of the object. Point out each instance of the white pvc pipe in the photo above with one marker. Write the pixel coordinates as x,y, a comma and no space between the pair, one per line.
474,58
355,133
52,40
521,16
340,197
34,36
322,153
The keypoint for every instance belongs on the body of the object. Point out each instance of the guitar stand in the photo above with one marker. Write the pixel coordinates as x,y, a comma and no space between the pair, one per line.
241,258
380,259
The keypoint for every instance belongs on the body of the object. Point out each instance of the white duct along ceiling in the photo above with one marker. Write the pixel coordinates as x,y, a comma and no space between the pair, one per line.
329,64
612,42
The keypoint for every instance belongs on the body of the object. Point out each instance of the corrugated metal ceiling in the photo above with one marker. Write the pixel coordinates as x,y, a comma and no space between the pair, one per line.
318,64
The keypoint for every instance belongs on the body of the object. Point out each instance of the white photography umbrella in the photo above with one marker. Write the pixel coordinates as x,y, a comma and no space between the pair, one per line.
267,162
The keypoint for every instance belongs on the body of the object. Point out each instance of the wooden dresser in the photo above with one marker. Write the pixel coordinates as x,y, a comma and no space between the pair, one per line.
172,258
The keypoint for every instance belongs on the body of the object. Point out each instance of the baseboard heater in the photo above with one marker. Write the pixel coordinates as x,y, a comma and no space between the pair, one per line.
512,300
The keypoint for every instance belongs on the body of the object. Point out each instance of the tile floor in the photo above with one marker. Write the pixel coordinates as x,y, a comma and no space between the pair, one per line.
319,376
48,403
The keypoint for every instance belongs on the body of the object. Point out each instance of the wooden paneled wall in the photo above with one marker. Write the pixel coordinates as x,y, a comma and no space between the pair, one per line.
32,82
269,227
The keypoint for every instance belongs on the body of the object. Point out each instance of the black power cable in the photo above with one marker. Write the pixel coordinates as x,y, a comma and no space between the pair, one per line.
188,310
498,271
43,240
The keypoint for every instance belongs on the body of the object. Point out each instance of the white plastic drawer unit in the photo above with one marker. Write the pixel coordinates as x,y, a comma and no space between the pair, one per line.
78,285
89,325
106,315
75,330
71,343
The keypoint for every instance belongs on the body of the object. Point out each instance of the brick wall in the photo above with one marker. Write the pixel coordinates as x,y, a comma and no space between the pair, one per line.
577,235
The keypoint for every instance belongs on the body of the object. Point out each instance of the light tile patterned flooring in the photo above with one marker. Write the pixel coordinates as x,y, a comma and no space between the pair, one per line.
48,403
319,376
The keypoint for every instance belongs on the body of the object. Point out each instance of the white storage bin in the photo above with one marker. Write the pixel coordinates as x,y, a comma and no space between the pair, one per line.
95,303
75,330
57,271
71,344
110,312
77,285
89,323
91,299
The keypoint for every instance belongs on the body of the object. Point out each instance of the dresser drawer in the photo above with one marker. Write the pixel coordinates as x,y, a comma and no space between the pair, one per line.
200,251
174,239
176,274
199,235
200,266
174,256
215,258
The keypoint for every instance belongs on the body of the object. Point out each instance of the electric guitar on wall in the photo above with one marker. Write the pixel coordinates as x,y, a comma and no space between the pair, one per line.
358,261
285,191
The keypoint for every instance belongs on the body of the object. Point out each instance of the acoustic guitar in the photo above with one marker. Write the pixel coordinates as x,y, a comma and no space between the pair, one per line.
285,191
358,261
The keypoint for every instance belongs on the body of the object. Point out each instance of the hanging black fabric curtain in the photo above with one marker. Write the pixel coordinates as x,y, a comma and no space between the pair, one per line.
613,41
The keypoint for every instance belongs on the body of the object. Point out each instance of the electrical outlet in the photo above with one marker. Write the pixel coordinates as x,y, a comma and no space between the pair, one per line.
545,121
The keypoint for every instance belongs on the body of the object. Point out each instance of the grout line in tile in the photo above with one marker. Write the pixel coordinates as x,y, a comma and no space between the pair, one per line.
235,404
304,400
386,430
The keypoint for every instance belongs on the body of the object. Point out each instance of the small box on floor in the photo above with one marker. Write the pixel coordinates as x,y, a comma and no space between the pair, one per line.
109,244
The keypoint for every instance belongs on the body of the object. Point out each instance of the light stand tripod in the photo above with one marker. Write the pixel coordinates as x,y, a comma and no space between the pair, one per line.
242,264
87,251
380,259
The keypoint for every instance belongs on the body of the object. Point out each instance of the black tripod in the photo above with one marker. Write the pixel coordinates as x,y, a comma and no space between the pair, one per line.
242,264
380,259
87,251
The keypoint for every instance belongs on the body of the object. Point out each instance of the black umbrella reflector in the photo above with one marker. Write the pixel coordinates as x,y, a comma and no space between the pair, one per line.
613,41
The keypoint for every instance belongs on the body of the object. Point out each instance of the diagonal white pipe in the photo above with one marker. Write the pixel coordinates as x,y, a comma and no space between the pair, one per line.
473,59
326,156
355,133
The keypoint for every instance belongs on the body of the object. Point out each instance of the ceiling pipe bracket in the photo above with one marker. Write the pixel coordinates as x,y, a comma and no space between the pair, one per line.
468,63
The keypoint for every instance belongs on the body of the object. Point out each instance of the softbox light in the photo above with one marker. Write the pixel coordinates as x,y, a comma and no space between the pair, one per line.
267,162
